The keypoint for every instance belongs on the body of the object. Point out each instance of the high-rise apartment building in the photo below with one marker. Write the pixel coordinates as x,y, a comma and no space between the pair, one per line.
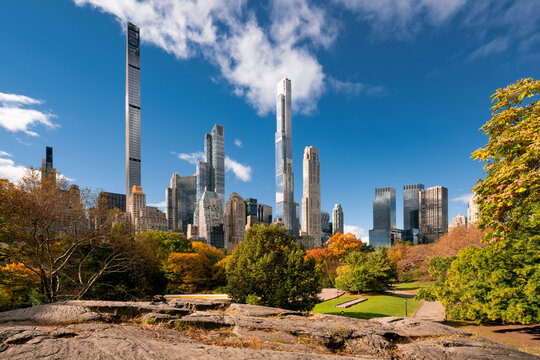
384,217
264,214
113,200
211,220
47,170
311,201
459,221
433,218
326,226
410,212
251,207
285,208
337,219
235,220
211,172
181,198
472,211
145,217
133,109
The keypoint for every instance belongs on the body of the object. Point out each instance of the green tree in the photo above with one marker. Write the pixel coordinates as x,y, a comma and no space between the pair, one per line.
366,271
270,265
162,243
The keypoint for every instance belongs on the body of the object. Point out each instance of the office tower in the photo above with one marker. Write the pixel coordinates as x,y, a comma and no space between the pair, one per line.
47,170
235,220
211,172
113,200
472,211
326,227
251,207
410,212
133,109
181,198
459,221
211,226
264,214
285,208
384,217
145,217
311,201
337,219
433,218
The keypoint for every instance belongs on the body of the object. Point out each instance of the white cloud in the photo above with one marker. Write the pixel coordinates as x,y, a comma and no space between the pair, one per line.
238,143
160,205
192,158
228,35
465,198
15,118
495,46
5,154
358,231
242,172
354,88
9,170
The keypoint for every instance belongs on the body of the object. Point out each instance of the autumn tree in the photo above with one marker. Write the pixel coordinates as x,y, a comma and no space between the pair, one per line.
269,265
326,265
342,244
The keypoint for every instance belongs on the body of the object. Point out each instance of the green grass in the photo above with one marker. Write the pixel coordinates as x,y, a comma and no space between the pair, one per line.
412,286
375,306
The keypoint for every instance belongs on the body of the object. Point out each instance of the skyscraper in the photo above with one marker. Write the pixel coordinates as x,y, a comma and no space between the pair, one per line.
211,219
326,226
211,172
235,220
133,110
285,208
251,207
337,219
264,214
311,201
47,170
384,217
181,198
410,212
472,211
433,218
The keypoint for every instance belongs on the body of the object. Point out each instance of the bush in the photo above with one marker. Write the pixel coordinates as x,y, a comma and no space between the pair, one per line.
270,265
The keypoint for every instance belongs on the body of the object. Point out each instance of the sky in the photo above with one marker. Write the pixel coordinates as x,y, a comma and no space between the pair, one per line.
391,92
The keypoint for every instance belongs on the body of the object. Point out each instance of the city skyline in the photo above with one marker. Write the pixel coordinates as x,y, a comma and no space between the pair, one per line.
171,101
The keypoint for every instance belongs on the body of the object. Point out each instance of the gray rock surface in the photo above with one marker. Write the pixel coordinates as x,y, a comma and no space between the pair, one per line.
194,329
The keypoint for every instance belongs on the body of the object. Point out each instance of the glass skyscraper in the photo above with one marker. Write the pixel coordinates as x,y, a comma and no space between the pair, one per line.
433,215
337,219
411,212
181,199
384,217
285,207
211,172
133,109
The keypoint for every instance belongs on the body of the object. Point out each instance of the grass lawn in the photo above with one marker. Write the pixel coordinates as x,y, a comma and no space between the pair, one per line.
412,287
375,306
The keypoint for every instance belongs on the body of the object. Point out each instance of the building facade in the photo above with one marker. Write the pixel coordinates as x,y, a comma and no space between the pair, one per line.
337,219
181,199
211,220
285,208
251,207
48,172
133,109
384,217
326,226
211,172
433,216
311,201
264,214
459,221
235,220
411,212
145,217
113,200
472,211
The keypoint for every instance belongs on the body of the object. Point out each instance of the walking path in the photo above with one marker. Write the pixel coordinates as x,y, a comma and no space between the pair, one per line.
430,310
330,293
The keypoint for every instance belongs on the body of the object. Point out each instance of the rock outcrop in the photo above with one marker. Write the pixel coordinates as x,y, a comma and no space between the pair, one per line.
198,329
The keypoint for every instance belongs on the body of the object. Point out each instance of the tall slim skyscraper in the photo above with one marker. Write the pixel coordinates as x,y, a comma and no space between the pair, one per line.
337,219
235,221
285,208
181,198
410,211
311,201
211,172
433,216
133,110
47,170
384,217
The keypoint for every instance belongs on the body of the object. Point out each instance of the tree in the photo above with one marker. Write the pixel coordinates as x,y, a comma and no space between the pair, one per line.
188,271
162,243
326,265
366,271
18,286
270,265
509,195
342,244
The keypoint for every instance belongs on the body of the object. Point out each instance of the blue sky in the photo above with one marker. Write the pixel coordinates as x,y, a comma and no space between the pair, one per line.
390,92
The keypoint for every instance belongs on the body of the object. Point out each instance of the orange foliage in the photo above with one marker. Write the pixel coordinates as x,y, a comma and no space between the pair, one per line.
340,245
318,254
213,254
188,269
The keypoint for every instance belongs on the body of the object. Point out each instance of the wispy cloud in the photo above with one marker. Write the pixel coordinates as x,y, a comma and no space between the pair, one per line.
192,158
465,198
495,46
5,154
354,88
242,172
160,205
14,117
360,233
238,143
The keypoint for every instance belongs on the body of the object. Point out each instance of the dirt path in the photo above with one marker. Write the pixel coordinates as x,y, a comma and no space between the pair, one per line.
330,293
430,310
